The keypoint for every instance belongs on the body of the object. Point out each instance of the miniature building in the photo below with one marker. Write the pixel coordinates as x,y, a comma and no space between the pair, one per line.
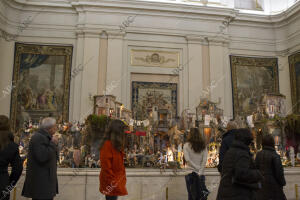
105,105
274,104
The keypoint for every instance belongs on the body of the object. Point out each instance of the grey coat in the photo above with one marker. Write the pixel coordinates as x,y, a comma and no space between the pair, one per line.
41,176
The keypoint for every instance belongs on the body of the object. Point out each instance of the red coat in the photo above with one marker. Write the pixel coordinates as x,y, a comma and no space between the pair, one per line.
112,175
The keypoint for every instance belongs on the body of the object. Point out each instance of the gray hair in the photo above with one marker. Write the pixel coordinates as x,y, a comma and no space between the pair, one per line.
232,125
48,123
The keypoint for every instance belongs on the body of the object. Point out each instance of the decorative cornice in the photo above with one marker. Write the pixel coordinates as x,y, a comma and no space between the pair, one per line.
218,40
7,36
115,34
194,39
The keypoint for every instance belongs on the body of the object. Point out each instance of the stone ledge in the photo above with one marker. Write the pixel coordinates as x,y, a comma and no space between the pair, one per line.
150,172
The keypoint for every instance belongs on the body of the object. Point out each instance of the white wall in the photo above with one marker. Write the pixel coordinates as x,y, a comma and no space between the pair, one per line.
157,25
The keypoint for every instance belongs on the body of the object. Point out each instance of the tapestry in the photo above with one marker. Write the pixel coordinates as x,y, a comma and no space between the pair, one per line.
41,83
251,78
294,62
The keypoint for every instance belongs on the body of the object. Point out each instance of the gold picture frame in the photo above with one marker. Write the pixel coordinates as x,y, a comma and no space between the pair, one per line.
294,63
251,78
41,83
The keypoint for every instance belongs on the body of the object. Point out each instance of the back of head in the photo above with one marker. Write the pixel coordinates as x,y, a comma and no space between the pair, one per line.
196,140
268,141
244,135
4,123
48,123
4,131
116,134
231,125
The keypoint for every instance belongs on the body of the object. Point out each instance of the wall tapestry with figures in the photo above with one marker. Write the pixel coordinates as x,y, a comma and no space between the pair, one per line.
41,80
251,78
294,61
147,96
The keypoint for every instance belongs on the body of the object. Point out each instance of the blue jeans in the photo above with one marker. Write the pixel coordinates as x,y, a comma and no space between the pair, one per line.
111,197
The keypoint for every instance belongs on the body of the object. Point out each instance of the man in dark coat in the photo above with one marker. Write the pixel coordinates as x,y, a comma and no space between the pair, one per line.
227,140
269,164
41,176
239,177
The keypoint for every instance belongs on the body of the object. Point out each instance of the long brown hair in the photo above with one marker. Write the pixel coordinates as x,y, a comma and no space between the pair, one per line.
4,132
196,140
115,134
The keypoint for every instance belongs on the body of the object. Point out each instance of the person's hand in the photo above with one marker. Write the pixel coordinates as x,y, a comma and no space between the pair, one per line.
54,139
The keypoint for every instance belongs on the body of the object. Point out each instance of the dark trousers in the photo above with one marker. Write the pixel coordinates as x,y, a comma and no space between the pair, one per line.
196,188
111,197
4,197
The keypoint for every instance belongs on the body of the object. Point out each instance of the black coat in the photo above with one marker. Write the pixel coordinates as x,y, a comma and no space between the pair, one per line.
227,140
41,176
269,164
9,155
239,177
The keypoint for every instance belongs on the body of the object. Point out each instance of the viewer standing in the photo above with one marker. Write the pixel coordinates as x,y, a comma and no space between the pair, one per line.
9,154
195,154
112,175
269,164
227,140
239,178
41,176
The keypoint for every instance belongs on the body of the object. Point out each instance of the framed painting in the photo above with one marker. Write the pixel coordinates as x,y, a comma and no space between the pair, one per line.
41,83
153,96
294,62
251,78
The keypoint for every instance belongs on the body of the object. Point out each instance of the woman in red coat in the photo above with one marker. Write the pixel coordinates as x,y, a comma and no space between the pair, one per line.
113,176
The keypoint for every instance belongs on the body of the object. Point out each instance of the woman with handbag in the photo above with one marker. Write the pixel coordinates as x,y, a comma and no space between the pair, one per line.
269,164
240,178
195,154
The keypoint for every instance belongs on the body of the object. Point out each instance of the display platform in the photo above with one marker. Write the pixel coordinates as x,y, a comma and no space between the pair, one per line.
143,184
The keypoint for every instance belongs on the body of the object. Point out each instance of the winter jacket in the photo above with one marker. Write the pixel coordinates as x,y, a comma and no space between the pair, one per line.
9,155
269,164
41,174
227,140
112,175
239,178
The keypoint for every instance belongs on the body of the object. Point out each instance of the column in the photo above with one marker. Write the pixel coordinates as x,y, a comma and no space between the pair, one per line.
102,63
6,73
284,81
195,70
220,78
206,71
115,73
89,82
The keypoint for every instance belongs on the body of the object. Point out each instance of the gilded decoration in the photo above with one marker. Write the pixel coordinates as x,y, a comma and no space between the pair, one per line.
251,78
294,62
152,58
41,83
